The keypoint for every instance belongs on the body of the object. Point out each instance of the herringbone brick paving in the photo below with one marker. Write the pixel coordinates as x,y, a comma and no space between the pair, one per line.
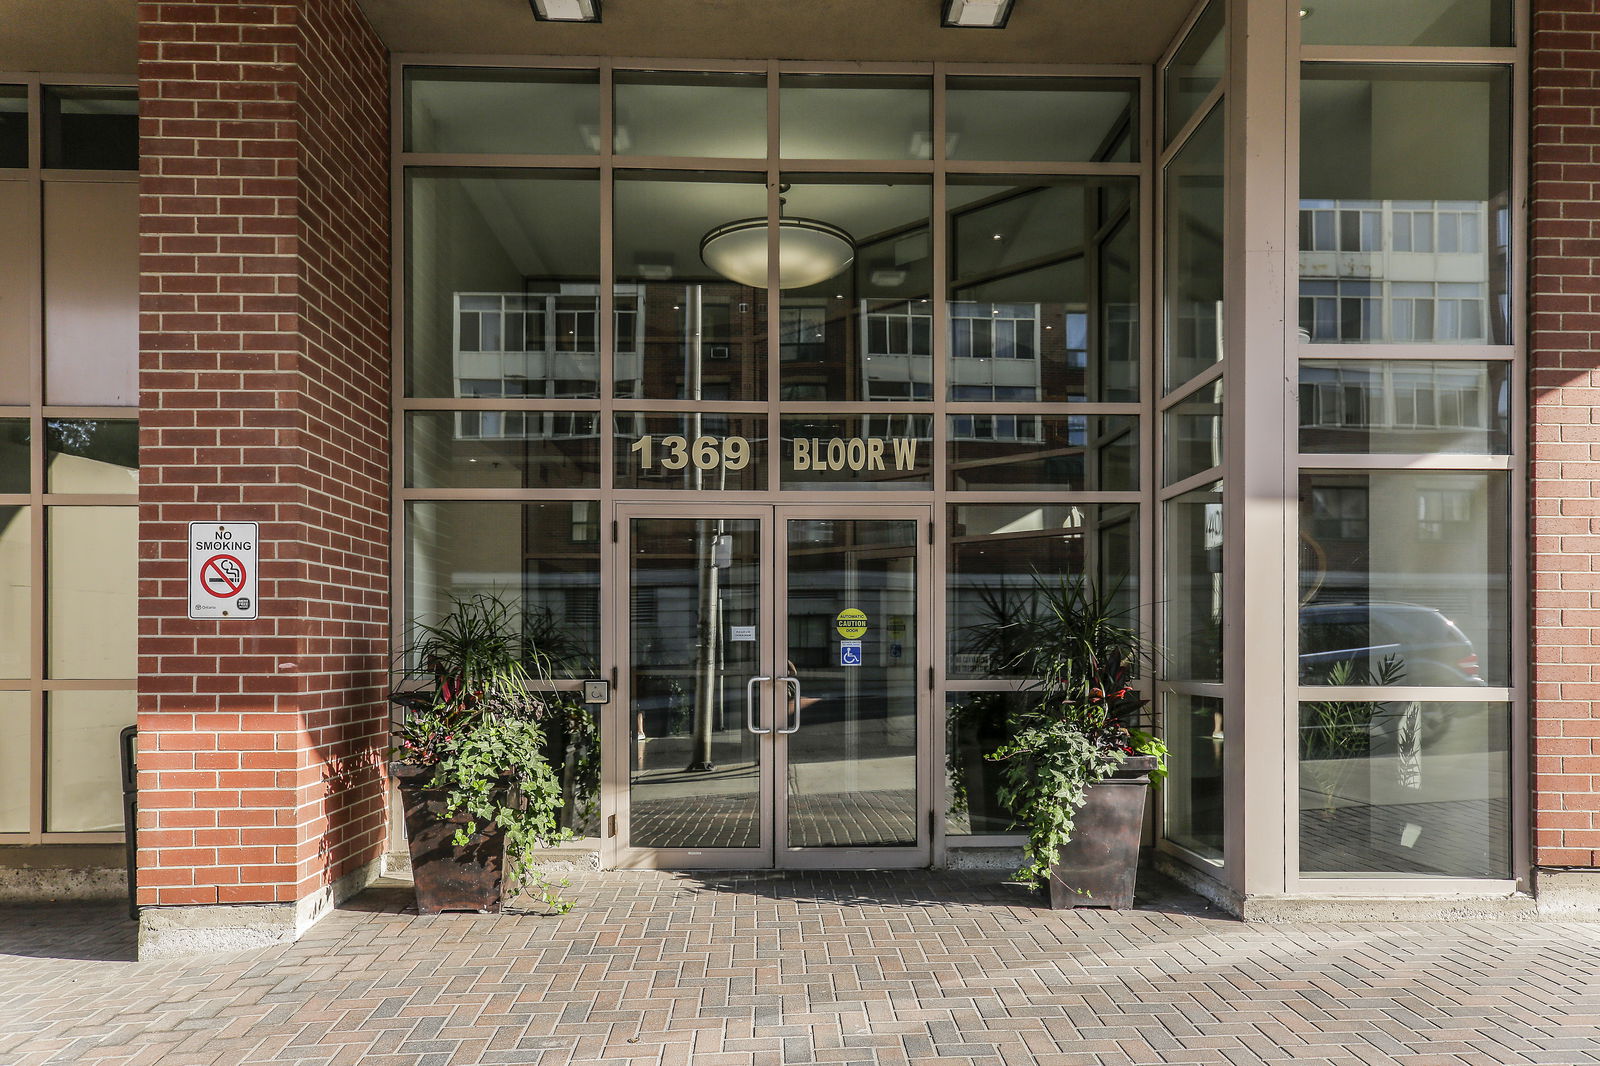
886,969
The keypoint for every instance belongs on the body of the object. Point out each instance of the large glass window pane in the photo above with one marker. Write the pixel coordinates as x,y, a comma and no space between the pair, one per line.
1191,433
1193,789
91,455
91,286
1405,214
83,775
1403,578
1044,453
541,558
1192,633
19,288
1077,120
503,449
685,331
16,469
1445,23
1196,68
485,109
865,332
1408,407
13,125
503,293
890,117
977,723
702,451
709,116
16,759
1194,269
92,591
91,128
1004,560
857,452
16,592
1027,259
1405,788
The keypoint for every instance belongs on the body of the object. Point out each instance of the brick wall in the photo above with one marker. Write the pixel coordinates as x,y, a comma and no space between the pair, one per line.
264,374
1565,381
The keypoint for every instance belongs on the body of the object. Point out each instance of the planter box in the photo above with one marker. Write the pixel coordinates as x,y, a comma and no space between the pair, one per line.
1098,865
448,878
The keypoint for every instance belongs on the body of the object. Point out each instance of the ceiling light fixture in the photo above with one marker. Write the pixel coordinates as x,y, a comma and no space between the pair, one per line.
809,251
566,10
976,14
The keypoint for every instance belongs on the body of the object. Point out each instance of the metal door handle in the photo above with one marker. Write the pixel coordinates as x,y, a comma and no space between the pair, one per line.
750,716
794,682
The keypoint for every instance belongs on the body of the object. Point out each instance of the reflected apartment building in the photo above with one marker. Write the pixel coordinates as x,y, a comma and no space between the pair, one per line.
774,376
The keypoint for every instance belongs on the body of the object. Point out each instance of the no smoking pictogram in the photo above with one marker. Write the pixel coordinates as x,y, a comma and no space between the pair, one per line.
222,576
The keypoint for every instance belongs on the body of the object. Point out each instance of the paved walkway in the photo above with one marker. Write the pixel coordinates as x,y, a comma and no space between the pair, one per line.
772,970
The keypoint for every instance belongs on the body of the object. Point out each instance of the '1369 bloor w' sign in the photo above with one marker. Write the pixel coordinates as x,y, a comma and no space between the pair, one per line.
223,570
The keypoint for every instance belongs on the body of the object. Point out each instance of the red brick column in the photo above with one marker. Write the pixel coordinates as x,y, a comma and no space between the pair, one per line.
1564,376
264,380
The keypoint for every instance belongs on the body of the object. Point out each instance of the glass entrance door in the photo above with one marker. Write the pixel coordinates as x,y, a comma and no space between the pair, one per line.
770,687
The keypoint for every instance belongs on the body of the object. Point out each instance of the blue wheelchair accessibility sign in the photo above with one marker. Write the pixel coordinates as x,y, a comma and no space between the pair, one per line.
849,653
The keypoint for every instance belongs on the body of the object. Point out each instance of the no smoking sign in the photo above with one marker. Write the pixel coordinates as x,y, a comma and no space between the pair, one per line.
222,570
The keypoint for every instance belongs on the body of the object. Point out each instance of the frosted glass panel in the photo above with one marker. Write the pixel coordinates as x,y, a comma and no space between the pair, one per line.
83,790
92,575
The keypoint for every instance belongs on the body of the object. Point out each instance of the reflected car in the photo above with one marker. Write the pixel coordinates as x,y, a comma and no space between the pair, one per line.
1428,647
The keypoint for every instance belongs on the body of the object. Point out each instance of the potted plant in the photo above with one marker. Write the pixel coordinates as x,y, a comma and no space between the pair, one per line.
1078,766
480,791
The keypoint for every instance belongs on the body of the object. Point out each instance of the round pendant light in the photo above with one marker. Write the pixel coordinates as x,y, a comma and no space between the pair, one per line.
809,251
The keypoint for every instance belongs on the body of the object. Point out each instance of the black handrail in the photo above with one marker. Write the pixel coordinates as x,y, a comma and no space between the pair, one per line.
130,813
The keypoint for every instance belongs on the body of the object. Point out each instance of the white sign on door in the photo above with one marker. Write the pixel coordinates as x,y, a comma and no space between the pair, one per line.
223,578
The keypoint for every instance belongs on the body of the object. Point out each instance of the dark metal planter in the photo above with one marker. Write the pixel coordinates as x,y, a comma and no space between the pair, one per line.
1097,866
448,878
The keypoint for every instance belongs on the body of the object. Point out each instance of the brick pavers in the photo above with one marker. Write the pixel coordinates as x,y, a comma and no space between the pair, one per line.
886,969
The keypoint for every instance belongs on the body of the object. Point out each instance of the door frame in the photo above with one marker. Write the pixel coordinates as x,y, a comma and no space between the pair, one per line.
772,636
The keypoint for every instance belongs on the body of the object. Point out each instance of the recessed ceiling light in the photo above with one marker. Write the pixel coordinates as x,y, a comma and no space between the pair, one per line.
566,10
976,14
1305,12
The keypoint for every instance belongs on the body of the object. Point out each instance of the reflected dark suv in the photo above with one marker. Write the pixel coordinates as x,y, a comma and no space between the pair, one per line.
1428,648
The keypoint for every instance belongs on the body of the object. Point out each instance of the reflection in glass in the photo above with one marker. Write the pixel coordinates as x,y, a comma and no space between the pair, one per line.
92,586
13,126
502,449
683,332
1408,407
852,764
1192,636
977,723
866,333
16,468
1194,222
503,286
1440,23
891,117
1000,555
1023,258
91,127
488,109
1193,790
694,605
16,758
703,451
543,559
16,592
1044,453
1192,434
1405,788
857,452
83,455
1079,120
82,793
1196,68
710,116
1404,204
1403,578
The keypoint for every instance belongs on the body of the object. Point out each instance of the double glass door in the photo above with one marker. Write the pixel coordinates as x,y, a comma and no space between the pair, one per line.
775,685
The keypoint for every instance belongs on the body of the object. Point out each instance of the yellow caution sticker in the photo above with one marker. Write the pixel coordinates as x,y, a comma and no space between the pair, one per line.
851,623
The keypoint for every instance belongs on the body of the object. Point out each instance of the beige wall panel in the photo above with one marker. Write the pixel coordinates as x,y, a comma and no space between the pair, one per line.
19,286
84,790
16,777
91,306
92,594
16,592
